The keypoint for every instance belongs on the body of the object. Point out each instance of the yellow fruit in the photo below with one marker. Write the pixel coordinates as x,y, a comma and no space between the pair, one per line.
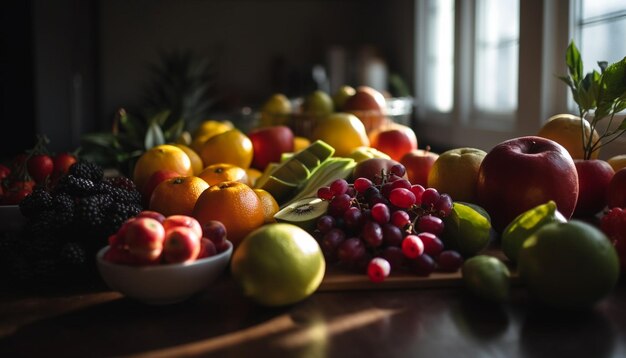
196,161
343,131
221,172
278,264
231,147
161,157
275,111
270,206
455,172
565,130
253,175
233,203
617,162
184,138
208,129
300,143
177,196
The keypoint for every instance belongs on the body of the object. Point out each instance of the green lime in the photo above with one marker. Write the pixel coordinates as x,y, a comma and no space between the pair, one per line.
525,224
466,230
278,264
486,277
568,265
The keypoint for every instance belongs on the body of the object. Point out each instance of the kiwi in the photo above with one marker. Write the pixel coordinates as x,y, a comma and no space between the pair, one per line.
303,213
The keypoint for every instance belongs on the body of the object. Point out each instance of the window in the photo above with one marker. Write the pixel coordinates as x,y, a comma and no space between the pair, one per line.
440,55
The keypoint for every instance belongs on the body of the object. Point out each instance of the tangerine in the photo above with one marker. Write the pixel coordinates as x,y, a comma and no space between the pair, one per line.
206,130
253,175
177,196
231,147
196,161
234,204
217,173
270,206
161,157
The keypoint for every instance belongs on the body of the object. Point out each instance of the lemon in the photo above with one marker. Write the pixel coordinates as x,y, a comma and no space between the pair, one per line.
525,224
487,277
278,264
232,147
467,229
343,131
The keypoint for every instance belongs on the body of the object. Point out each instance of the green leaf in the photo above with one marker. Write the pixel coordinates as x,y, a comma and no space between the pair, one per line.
174,131
567,80
160,118
100,139
622,125
574,62
602,65
132,125
603,110
585,98
614,78
620,106
154,136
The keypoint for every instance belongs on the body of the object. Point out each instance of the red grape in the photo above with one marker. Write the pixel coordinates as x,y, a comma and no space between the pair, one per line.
402,198
443,206
325,193
325,223
378,269
418,191
392,235
372,234
351,250
401,183
339,204
449,260
412,246
362,184
429,197
432,244
339,186
430,223
423,265
353,218
397,169
394,255
380,213
400,218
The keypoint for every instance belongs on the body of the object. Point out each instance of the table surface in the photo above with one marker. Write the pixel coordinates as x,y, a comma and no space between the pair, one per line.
424,322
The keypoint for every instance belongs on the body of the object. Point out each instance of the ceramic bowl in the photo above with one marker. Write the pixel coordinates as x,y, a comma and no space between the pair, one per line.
163,284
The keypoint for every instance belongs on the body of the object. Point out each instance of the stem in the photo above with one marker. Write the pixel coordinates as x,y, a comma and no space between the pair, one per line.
612,139
583,113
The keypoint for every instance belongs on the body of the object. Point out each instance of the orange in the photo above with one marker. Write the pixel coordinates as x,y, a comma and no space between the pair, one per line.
177,196
565,129
270,206
231,147
233,203
300,143
253,175
161,157
217,173
196,161
206,130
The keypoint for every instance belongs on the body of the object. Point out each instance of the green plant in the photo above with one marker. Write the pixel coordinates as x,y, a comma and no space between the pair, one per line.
603,93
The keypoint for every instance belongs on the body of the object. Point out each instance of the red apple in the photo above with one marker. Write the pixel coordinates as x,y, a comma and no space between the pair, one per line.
369,105
182,244
371,168
173,221
120,255
144,238
151,214
418,163
269,143
207,248
616,192
594,176
521,173
395,141
155,179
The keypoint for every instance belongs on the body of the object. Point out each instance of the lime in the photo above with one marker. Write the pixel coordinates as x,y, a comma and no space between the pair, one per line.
278,264
486,277
467,229
525,224
568,265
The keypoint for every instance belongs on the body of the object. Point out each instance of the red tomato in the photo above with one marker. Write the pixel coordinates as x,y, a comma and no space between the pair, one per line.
62,163
40,167
4,171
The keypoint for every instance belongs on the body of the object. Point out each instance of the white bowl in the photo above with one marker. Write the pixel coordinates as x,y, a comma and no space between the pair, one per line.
11,218
163,284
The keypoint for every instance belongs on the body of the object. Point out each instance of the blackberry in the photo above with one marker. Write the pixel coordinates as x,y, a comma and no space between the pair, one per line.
89,211
73,253
125,196
121,182
63,205
87,170
75,186
35,203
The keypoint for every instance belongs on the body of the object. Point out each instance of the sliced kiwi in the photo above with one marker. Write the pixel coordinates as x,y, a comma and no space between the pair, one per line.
303,213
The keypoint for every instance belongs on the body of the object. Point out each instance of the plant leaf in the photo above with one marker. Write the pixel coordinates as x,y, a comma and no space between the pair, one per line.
622,125
174,131
614,78
574,62
99,139
154,136
132,125
602,65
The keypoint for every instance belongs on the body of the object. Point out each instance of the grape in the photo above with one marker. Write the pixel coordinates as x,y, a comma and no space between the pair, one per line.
400,218
443,206
351,250
351,191
432,244
402,198
429,197
353,218
325,223
412,246
330,243
423,265
370,192
378,198
372,234
378,269
339,204
325,193
386,189
380,213
397,169
401,183
392,235
392,177
362,184
417,190
449,260
431,224
339,186
394,255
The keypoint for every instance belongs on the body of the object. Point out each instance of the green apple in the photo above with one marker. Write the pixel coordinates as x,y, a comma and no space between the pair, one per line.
318,103
455,172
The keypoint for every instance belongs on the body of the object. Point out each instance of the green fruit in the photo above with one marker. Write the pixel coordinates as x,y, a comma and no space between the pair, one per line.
466,230
306,157
568,265
487,277
303,213
320,149
318,103
291,171
343,93
280,189
525,224
278,264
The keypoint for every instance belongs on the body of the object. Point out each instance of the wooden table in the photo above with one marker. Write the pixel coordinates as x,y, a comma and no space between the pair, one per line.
426,322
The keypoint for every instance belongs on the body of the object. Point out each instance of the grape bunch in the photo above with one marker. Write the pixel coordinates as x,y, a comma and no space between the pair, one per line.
385,227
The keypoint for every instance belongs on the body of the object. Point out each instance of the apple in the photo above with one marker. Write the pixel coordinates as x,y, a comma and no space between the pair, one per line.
318,103
396,140
594,176
521,173
455,172
418,163
120,255
269,143
369,105
617,162
151,214
371,168
181,244
341,96
616,192
153,181
207,248
144,238
173,221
